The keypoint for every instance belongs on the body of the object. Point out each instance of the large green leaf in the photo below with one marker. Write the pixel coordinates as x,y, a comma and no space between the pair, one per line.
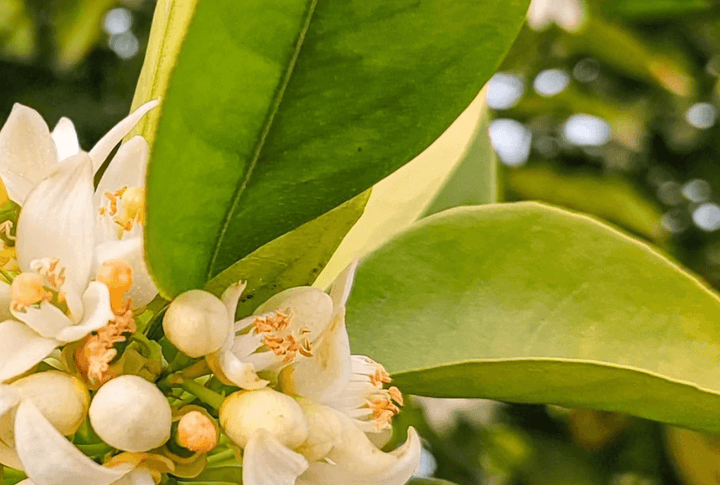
528,303
277,111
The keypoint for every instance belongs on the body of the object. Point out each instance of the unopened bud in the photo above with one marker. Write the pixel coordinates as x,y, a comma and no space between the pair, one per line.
131,414
197,323
244,412
117,276
27,289
61,398
197,432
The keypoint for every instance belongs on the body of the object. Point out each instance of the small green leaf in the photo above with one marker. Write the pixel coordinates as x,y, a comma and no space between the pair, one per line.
294,259
77,27
529,303
278,111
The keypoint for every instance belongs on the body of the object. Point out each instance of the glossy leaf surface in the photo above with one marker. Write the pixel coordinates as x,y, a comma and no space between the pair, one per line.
528,303
278,111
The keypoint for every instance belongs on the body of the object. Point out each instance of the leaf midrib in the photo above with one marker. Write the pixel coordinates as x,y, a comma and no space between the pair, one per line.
261,141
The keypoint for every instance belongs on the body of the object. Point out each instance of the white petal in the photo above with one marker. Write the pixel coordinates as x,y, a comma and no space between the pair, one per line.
65,138
358,462
242,374
9,398
322,377
57,221
539,14
136,477
267,462
27,151
102,149
9,457
50,459
569,14
97,313
48,320
5,298
230,298
21,348
127,168
342,285
130,250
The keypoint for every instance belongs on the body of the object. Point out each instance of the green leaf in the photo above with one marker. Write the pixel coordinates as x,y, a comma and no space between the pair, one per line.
529,303
278,111
403,197
611,198
474,180
294,259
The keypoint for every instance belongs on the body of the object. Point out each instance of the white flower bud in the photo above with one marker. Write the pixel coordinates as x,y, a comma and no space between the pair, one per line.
244,412
197,323
61,398
131,414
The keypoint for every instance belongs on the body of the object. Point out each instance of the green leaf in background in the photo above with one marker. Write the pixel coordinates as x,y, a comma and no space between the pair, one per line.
294,259
17,30
278,111
644,9
403,197
529,303
624,50
611,198
77,27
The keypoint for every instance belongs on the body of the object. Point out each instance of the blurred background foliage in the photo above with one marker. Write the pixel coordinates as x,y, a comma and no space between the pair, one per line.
612,110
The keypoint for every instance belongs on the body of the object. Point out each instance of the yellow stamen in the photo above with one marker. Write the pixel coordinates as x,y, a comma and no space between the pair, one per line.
382,406
93,358
278,322
117,276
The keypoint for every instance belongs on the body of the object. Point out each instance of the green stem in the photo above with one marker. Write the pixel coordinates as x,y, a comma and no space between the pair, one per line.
211,398
221,457
95,449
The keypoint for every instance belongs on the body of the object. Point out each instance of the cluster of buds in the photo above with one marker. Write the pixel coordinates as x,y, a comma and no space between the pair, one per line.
96,388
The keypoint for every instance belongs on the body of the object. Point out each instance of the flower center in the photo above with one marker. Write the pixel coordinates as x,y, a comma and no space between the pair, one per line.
286,346
383,407
126,207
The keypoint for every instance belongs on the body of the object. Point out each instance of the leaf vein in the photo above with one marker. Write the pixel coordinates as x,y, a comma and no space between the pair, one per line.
263,136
